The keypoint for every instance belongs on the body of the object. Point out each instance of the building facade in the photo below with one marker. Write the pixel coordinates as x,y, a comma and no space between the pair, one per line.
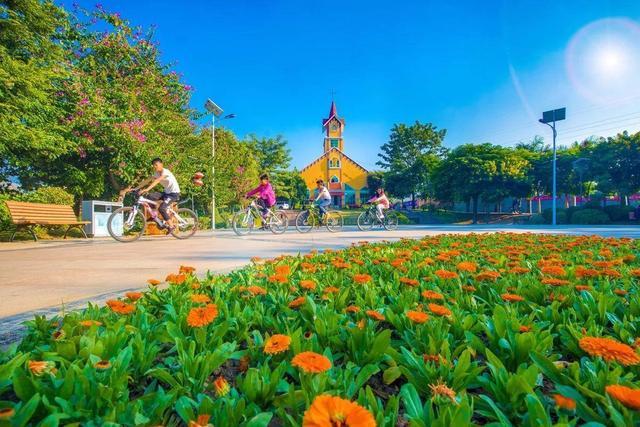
345,178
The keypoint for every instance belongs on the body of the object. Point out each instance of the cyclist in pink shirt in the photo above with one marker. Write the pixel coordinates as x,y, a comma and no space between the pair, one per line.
266,195
381,202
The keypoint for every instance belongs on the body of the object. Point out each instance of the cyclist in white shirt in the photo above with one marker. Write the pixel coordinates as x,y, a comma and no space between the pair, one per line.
381,201
171,189
324,197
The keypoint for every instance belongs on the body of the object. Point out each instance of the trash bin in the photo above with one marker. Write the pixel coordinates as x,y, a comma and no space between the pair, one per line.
98,213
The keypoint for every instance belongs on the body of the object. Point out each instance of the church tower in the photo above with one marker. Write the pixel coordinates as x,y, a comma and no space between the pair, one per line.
333,127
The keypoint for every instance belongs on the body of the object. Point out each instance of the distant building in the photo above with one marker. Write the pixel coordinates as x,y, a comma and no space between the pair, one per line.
347,180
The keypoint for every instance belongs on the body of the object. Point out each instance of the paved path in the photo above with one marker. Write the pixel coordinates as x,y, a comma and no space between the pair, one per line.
48,276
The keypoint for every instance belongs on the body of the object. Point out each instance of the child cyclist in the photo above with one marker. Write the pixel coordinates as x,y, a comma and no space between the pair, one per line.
381,201
266,196
323,199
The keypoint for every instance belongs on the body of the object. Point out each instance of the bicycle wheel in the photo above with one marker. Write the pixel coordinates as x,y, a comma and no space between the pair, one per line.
334,221
126,225
390,221
365,221
305,221
186,224
278,222
243,222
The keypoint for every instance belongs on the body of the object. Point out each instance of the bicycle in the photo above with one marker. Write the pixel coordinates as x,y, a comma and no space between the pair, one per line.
310,218
128,224
369,218
244,221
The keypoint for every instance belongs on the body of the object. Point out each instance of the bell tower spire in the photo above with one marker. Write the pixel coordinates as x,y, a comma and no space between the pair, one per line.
333,126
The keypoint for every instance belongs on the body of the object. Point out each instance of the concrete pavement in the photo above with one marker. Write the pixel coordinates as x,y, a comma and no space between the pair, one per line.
48,276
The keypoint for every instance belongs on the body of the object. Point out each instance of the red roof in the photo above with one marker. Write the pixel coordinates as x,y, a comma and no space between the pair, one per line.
333,112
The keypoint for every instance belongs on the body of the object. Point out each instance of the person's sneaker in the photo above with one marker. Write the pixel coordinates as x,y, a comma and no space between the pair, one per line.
161,224
170,229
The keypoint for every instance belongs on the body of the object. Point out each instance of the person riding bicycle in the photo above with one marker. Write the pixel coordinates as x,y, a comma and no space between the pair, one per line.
381,201
323,200
170,193
266,196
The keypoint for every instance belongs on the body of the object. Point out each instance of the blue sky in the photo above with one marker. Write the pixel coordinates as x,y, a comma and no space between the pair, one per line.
482,70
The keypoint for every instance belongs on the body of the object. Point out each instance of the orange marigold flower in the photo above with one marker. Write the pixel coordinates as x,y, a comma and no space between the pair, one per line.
256,290
519,270
153,282
582,272
610,272
487,276
552,281
446,274
221,386
635,272
553,270
133,296
283,270
278,278
202,316
200,298
309,285
524,328
331,290
8,413
428,294
102,365
89,323
511,297
435,358
417,316
629,397
186,269
341,264
311,363
375,315
201,421
620,292
582,288
469,288
441,389
439,310
352,309
120,307
331,411
467,266
38,368
277,344
361,278
298,302
409,281
610,350
564,402
176,279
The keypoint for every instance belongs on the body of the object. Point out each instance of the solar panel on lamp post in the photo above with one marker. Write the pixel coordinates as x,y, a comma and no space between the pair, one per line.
550,118
215,111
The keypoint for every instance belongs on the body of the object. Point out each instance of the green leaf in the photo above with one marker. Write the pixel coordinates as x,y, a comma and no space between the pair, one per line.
261,420
391,374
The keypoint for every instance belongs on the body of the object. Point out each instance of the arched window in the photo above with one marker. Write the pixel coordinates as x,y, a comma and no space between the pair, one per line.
335,179
334,163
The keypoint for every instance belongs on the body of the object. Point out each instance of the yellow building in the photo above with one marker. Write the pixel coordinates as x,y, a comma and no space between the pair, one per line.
345,178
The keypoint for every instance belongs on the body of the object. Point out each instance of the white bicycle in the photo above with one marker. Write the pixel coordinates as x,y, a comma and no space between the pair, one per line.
128,224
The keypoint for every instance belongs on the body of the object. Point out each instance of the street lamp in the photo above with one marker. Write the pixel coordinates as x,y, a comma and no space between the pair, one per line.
215,111
550,118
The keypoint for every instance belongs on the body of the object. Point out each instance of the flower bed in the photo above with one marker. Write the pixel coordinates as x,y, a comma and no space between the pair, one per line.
448,330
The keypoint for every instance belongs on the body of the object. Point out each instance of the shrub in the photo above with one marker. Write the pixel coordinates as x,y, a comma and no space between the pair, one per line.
590,216
617,212
51,195
561,216
537,220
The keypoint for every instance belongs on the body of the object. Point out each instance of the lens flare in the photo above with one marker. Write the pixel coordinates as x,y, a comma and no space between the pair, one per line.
602,60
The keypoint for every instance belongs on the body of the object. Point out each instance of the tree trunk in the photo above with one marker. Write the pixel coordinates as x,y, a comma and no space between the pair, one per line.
475,209
468,205
77,204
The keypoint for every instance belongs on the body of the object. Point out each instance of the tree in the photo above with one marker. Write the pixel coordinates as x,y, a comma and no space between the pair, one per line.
410,157
291,186
33,67
375,180
272,153
473,171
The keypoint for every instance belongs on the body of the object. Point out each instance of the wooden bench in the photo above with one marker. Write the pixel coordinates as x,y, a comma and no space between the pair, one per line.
25,216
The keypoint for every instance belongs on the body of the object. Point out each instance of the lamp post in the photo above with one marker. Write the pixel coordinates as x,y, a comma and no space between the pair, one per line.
550,118
215,111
